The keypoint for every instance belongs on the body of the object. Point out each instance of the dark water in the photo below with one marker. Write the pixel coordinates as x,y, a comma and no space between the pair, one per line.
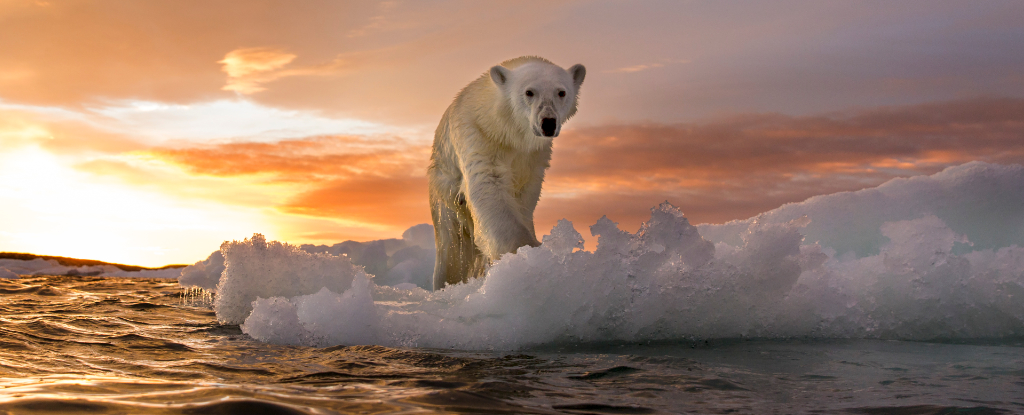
105,345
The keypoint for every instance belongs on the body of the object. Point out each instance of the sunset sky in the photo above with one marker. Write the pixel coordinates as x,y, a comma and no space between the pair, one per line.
148,132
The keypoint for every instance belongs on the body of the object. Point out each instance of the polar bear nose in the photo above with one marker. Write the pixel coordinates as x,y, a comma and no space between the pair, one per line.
548,125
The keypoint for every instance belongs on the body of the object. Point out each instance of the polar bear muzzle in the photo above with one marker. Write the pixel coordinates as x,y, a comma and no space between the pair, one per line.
548,125
545,122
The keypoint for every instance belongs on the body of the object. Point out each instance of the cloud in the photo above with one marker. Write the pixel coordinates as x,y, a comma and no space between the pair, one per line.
388,200
644,67
71,54
636,68
321,189
249,68
376,22
234,119
300,159
292,187
60,132
720,170
328,188
241,63
401,63
378,181
736,167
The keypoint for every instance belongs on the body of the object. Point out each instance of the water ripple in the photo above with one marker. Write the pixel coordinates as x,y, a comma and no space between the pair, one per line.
105,345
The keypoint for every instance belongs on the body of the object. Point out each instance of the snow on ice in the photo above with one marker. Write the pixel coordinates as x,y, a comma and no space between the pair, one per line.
927,257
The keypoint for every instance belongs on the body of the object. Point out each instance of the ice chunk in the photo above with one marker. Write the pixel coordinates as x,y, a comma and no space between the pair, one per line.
40,266
23,267
918,244
322,319
392,261
204,274
275,320
421,235
900,261
7,274
563,239
415,268
980,201
669,230
256,268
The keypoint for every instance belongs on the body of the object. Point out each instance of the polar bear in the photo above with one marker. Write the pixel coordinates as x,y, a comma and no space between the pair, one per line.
490,153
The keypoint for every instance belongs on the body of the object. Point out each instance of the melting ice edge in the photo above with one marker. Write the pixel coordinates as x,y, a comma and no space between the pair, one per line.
921,258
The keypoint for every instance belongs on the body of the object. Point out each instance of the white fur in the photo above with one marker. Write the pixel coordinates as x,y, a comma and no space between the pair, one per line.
488,162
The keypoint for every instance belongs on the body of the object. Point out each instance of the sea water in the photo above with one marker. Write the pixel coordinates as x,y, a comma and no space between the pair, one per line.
81,344
905,298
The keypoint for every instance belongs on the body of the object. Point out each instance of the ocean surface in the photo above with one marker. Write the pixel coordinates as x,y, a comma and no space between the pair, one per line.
118,345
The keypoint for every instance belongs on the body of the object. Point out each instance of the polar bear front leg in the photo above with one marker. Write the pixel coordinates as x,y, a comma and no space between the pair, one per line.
456,252
530,195
453,231
499,225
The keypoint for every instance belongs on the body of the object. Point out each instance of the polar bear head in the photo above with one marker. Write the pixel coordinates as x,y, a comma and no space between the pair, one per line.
541,95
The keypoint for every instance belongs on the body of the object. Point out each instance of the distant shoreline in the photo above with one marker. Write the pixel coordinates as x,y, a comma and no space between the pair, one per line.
75,262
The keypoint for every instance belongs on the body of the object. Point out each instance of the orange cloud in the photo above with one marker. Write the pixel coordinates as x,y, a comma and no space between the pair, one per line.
75,53
644,67
304,159
636,68
399,58
400,200
61,134
737,167
249,68
241,63
375,181
715,171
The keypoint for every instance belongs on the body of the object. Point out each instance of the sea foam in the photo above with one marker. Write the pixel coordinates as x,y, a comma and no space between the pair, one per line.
929,257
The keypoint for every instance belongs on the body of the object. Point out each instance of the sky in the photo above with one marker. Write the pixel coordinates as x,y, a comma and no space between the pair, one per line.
150,132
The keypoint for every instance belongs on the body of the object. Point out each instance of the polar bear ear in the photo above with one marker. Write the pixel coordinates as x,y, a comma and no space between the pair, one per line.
500,75
578,72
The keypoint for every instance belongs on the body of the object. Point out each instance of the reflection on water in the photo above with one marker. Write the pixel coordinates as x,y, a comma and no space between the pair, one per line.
106,345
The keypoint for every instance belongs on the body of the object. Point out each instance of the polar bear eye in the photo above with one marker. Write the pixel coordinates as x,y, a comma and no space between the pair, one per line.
529,93
561,94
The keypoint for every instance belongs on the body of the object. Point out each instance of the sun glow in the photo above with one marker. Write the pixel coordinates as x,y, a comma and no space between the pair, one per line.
58,210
